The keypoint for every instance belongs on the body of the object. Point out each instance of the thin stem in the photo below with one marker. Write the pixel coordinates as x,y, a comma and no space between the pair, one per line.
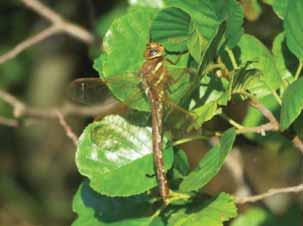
189,139
58,25
298,143
271,192
299,69
8,122
68,130
42,10
232,58
174,196
21,109
232,122
29,43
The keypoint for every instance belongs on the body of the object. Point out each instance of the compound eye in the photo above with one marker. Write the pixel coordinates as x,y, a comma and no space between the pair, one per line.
153,52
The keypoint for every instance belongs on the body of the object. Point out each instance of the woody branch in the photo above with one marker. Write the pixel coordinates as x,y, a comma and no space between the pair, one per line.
269,193
58,25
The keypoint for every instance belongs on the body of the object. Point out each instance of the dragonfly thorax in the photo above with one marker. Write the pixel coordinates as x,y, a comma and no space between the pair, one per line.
153,71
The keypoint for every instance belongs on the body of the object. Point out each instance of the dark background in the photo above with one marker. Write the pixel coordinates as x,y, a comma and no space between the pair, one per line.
38,176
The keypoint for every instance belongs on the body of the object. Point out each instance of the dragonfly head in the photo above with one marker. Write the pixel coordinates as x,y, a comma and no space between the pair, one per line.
154,50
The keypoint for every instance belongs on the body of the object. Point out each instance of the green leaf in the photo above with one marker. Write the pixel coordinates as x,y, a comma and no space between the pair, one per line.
181,164
210,164
280,7
243,77
171,28
124,45
103,23
269,2
211,213
293,25
204,25
213,92
253,217
292,104
232,12
94,209
204,48
251,49
256,216
117,157
201,24
286,62
212,88
147,3
205,113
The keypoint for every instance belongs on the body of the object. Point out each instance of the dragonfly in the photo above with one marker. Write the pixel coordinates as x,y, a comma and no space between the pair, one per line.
155,79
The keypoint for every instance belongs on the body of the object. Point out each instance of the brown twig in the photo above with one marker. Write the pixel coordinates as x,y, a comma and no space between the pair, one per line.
262,129
29,42
272,125
68,130
273,122
42,10
59,24
56,19
21,109
8,122
298,143
269,193
266,113
13,101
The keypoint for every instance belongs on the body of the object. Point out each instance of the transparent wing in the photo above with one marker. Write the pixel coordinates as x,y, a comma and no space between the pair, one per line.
88,91
127,89
94,90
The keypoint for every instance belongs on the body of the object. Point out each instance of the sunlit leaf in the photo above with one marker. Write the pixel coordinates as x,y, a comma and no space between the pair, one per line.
243,77
171,28
205,113
117,157
213,93
199,45
293,25
232,12
212,88
269,2
257,216
103,23
147,3
94,209
251,49
124,45
204,24
211,213
253,217
210,164
292,104
280,7
286,62
181,164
